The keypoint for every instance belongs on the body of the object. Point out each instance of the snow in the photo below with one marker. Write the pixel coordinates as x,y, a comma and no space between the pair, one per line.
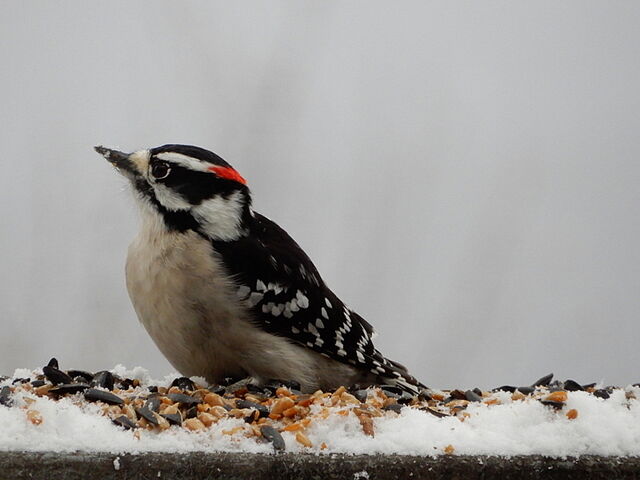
522,427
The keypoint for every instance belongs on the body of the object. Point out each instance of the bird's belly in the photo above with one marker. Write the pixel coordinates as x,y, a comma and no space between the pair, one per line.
183,299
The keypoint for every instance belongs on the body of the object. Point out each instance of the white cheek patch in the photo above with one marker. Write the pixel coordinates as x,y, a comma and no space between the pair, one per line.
221,218
169,199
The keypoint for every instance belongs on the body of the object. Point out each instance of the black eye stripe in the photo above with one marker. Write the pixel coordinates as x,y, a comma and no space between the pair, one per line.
194,186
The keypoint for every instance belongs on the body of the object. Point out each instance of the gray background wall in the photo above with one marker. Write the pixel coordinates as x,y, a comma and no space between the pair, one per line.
465,175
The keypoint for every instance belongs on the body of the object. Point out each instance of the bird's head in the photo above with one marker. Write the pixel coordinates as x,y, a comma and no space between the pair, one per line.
189,187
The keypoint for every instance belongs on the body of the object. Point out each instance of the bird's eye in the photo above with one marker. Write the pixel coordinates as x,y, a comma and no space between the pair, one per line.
160,170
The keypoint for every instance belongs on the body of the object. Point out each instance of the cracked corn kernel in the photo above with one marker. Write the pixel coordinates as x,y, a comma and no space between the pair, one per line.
194,424
214,399
559,396
281,405
34,417
339,391
303,439
283,392
207,419
367,424
232,431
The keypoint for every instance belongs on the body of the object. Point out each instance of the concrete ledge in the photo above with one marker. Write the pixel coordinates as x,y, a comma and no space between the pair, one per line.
53,466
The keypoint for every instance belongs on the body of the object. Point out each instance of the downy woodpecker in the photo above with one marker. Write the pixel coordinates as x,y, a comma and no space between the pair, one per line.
225,292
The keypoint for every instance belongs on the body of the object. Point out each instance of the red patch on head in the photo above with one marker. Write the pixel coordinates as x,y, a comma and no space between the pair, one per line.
228,173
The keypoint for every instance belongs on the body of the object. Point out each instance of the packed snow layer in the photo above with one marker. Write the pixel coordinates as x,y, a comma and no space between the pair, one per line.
521,427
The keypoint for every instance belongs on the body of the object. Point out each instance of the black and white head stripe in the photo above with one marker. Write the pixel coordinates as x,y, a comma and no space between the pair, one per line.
282,287
193,188
188,156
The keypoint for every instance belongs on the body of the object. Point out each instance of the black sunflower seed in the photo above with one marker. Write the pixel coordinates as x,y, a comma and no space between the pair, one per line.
124,422
472,396
551,403
556,386
95,395
394,407
273,436
53,363
361,395
601,393
572,386
127,383
69,388
86,376
172,418
220,390
103,379
153,403
252,387
505,388
183,383
405,398
543,382
182,398
56,376
457,395
192,412
391,388
5,396
37,383
526,390
253,416
390,393
262,410
147,414
435,412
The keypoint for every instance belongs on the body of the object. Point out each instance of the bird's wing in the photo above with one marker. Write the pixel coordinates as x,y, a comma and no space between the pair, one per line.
288,297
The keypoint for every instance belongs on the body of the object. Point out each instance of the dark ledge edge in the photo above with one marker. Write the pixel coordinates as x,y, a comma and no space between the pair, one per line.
81,465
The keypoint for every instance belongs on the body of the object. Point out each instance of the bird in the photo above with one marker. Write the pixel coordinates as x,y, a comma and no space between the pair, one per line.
224,292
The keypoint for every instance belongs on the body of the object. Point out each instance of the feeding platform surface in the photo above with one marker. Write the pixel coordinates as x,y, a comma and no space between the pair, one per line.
123,424
225,465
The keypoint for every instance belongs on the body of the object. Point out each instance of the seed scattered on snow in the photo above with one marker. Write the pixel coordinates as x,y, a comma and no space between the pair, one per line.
252,414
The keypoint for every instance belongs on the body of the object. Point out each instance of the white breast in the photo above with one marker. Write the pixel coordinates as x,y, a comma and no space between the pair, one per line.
183,298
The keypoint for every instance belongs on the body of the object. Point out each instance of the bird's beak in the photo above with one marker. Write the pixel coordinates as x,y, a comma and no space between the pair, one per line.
120,160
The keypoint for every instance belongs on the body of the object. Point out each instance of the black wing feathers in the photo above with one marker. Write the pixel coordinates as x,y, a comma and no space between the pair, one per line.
288,297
